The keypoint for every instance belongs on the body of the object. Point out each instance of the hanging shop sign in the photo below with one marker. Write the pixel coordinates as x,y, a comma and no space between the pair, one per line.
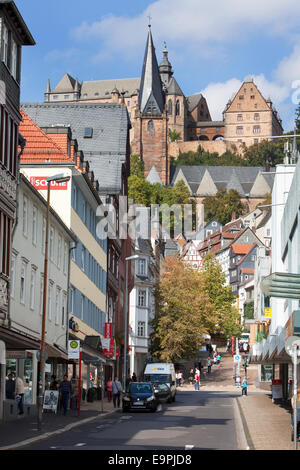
108,330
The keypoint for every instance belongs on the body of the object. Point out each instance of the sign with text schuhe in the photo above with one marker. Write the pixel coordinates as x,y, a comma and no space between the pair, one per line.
40,183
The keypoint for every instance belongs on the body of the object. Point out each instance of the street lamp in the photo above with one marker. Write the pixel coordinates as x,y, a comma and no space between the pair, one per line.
60,178
126,320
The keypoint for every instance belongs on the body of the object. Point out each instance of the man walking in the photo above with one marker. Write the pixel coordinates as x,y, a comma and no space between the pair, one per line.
116,391
244,387
19,390
197,380
65,389
10,387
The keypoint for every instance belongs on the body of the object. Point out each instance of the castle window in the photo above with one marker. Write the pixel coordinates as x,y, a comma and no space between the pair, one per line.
239,117
150,127
256,129
239,105
241,97
177,108
239,130
256,116
170,107
252,97
66,97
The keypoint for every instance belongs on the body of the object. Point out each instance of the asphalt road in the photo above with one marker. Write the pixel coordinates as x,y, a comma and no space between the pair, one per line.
197,420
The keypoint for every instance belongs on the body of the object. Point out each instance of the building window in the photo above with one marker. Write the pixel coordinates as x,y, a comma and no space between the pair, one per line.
64,310
239,105
170,107
256,129
32,288
41,293
65,257
23,283
141,328
142,267
59,251
57,305
81,307
252,97
13,275
239,130
256,141
82,258
25,216
177,109
50,299
66,97
256,117
241,97
88,132
142,298
150,127
34,225
239,117
5,45
51,247
14,59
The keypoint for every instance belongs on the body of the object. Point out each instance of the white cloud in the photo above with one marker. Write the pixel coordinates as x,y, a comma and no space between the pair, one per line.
218,94
288,69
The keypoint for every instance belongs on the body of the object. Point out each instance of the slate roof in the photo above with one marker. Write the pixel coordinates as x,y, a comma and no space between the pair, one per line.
106,150
173,88
224,177
65,85
153,176
103,88
193,100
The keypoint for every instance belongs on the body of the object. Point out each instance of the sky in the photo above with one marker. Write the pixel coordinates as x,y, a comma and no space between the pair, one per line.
213,46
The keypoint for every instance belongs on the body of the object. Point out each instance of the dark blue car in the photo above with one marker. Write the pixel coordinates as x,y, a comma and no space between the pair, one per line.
140,396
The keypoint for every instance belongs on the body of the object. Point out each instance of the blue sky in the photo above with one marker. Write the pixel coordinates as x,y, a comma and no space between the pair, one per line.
213,46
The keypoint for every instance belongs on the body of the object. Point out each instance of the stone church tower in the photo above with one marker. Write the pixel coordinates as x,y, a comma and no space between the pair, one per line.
150,119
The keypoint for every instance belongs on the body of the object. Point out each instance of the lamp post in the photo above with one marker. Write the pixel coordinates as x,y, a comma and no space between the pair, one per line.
126,320
41,388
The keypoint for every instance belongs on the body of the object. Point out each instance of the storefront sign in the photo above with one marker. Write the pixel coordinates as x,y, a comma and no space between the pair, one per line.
50,400
73,349
40,183
16,355
267,312
276,389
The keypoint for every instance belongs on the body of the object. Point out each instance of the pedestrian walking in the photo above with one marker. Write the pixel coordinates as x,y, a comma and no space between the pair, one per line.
208,365
109,389
134,377
197,380
128,380
244,387
218,359
10,386
19,391
53,383
66,391
177,379
116,392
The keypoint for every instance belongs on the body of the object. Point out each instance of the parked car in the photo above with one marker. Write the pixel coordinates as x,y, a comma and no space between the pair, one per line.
163,373
140,396
163,393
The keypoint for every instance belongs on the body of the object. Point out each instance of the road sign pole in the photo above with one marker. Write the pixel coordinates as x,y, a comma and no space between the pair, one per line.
79,384
295,351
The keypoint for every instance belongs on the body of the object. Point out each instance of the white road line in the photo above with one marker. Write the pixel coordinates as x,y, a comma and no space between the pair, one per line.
80,444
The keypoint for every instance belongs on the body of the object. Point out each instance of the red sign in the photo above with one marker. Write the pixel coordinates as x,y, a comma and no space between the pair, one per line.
108,330
109,353
40,183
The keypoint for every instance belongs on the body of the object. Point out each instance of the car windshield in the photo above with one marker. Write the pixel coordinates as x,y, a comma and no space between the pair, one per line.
140,388
166,378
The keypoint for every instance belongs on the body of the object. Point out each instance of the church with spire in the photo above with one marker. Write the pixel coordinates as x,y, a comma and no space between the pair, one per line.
157,105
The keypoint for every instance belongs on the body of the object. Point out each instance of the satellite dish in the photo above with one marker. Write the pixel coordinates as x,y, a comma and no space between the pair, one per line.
292,340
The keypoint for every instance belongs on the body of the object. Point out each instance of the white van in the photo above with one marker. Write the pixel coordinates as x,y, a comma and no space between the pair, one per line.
163,373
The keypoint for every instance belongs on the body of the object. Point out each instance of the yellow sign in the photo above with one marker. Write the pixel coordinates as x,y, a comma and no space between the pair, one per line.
268,312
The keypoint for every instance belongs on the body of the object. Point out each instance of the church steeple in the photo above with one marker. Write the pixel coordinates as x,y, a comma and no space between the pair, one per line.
165,67
151,96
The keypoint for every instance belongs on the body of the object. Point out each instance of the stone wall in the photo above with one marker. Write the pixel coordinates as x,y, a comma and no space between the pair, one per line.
219,146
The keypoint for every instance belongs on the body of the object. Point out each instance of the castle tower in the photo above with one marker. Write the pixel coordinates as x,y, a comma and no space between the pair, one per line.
150,120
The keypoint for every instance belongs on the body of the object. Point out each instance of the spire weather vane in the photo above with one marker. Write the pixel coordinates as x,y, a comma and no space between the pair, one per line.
149,18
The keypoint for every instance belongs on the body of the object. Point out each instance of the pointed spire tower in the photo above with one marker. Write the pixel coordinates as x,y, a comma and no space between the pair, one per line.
48,91
151,95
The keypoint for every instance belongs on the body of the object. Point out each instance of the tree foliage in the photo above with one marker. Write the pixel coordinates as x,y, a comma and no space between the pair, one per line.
221,206
249,310
174,135
191,304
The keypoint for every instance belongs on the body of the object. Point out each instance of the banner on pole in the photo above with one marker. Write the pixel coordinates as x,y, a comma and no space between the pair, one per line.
73,349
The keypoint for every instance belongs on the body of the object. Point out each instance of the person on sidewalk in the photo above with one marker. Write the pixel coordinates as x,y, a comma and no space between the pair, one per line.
191,377
208,365
197,380
53,383
116,392
66,391
244,387
134,377
10,387
218,359
109,390
19,390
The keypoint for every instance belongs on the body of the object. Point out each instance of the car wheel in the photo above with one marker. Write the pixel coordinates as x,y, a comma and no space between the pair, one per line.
124,409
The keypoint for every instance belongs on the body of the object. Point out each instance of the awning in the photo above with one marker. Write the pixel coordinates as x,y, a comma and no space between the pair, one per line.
54,351
16,340
282,285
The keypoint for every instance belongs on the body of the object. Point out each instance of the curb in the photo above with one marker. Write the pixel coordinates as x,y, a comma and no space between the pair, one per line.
55,433
242,429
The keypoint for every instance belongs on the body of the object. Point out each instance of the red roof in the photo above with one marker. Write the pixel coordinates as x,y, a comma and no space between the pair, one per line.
241,249
247,271
39,146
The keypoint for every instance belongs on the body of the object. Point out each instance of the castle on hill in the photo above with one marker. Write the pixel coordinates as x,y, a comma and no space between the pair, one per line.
156,105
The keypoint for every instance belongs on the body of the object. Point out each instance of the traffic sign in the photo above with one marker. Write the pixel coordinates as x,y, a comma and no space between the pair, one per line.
236,358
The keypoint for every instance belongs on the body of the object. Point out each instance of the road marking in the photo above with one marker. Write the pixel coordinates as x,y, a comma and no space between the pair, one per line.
188,447
80,444
126,417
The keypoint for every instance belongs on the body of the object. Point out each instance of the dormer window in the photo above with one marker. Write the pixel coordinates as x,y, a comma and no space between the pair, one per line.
88,132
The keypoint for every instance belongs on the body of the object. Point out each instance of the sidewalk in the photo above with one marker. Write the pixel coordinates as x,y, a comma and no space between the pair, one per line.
24,429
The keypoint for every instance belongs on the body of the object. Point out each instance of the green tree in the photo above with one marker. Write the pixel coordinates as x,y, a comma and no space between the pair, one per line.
174,135
184,313
221,299
263,152
136,166
249,310
140,190
223,205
